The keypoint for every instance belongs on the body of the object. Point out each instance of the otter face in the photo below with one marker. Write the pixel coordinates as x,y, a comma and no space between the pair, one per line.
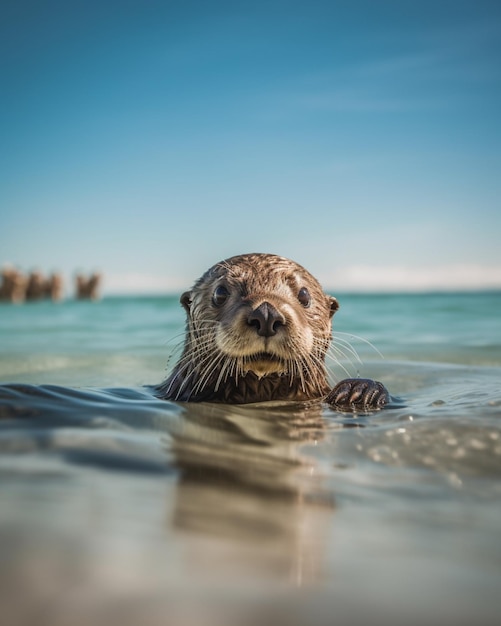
264,312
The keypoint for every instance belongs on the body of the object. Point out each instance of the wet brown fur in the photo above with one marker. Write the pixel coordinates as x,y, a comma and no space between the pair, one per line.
224,358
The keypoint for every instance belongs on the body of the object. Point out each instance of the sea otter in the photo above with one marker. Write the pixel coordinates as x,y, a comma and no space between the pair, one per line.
258,329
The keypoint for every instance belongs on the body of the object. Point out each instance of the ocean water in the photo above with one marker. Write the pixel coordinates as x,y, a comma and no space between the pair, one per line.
117,507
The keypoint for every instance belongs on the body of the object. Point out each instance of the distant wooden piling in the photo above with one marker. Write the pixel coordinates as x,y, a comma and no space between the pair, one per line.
13,285
36,287
16,287
54,287
88,288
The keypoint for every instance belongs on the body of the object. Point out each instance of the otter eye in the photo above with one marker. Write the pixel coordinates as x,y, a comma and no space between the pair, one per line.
220,295
304,297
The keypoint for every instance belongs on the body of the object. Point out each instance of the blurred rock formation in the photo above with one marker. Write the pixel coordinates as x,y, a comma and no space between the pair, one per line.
13,285
88,288
16,286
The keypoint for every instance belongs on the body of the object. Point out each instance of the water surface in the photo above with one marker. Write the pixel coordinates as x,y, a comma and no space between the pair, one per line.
119,507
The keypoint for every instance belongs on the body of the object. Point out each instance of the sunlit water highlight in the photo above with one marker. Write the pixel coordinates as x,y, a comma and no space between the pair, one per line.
118,507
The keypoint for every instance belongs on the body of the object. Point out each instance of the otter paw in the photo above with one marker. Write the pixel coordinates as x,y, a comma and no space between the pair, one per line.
358,393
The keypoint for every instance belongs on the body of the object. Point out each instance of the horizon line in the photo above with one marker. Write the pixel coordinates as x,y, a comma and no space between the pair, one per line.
354,279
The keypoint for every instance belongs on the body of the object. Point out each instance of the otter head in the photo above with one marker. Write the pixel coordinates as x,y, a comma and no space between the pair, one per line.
260,315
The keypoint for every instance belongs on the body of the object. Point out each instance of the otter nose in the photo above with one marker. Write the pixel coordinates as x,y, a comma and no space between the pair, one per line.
266,319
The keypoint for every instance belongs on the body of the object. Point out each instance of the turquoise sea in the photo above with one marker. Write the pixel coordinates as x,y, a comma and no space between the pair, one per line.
119,508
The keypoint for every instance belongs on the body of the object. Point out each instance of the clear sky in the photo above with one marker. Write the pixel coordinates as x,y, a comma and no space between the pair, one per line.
149,139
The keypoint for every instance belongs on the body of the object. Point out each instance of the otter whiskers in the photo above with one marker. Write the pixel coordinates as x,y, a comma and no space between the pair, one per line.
259,328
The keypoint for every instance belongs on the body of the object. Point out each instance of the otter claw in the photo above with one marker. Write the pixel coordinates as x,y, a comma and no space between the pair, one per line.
358,393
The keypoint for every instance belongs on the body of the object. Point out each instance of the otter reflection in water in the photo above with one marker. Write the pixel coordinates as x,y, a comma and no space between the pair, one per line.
258,329
250,495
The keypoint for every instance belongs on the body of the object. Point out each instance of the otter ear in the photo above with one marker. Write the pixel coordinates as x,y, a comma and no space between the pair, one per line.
333,305
185,300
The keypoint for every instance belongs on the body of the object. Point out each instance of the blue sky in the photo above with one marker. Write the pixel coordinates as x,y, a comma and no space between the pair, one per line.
151,139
